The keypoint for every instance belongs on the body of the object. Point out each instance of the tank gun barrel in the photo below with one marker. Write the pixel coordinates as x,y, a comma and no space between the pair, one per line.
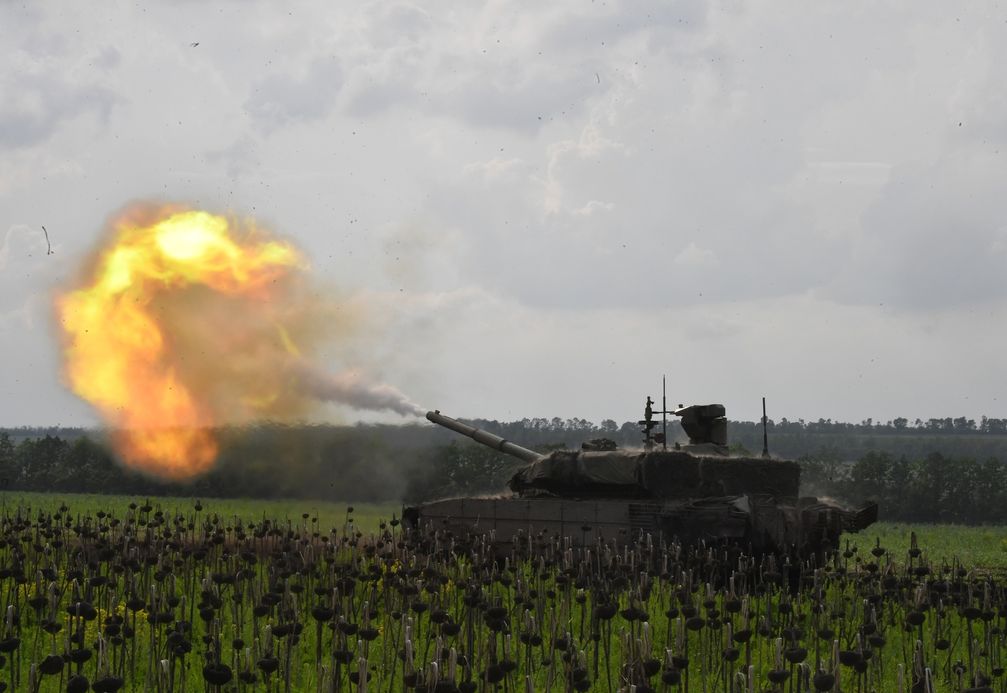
484,437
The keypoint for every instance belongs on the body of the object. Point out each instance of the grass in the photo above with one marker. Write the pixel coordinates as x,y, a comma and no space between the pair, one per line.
982,547
366,516
301,600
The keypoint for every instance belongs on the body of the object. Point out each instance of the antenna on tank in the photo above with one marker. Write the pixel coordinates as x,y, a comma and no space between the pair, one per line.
648,422
765,432
664,412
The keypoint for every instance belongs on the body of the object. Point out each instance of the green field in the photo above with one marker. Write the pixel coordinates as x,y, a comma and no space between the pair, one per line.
176,594
984,546
365,516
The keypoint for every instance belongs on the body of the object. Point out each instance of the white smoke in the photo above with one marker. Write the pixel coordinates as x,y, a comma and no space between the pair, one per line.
352,389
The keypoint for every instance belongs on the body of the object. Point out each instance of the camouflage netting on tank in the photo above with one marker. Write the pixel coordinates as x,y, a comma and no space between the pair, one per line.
583,474
678,474
662,474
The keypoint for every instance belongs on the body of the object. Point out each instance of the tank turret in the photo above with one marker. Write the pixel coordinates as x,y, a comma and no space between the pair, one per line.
706,426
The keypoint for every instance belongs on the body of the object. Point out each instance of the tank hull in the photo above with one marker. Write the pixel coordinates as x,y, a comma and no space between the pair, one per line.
759,523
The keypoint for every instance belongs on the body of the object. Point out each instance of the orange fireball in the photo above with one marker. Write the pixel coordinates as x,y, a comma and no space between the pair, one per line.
156,333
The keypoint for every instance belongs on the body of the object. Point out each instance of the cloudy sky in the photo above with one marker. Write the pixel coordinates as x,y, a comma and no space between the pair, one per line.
541,208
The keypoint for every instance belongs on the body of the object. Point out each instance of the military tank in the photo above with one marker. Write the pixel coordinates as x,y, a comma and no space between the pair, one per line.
693,492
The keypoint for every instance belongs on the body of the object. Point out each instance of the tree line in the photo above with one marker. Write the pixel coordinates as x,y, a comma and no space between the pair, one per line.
916,473
931,488
960,424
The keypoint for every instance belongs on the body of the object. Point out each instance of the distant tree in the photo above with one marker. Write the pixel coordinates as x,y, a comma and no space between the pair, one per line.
996,426
823,473
869,477
8,466
630,434
931,482
958,501
460,469
87,468
739,450
963,425
42,462
989,503
895,503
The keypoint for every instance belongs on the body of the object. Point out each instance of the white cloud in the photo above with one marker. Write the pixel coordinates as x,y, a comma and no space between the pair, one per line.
694,256
281,98
496,168
22,246
934,237
593,207
39,98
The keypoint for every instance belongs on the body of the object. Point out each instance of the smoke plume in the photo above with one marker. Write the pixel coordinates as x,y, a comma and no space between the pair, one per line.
350,388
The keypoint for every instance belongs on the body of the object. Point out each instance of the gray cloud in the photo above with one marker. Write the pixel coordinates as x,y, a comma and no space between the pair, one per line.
519,71
38,101
108,58
238,158
280,98
936,238
545,190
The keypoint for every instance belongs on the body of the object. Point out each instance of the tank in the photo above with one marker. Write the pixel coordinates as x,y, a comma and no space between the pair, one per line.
690,493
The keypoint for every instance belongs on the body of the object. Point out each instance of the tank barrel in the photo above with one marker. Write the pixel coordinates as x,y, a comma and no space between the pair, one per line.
484,437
